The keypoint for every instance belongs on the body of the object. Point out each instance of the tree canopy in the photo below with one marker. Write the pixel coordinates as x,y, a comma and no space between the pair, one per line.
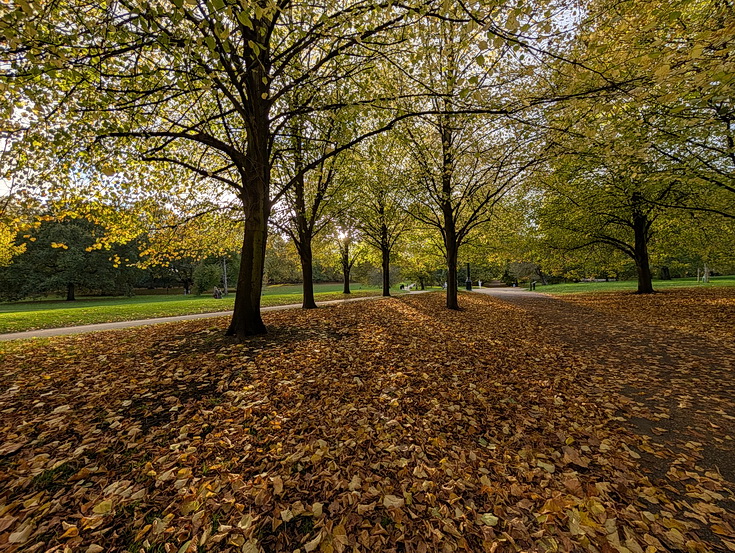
209,124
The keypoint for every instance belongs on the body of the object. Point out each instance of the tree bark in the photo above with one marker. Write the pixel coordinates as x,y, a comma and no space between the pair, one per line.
246,318
255,170
307,272
385,256
385,252
70,292
451,246
451,243
421,283
346,267
642,262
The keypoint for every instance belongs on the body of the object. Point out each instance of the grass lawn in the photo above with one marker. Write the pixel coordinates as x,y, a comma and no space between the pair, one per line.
625,285
21,316
368,427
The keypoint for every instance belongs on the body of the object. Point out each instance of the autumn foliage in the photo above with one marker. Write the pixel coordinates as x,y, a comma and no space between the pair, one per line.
391,425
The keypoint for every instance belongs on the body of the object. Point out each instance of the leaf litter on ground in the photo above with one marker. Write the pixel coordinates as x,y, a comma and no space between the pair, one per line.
393,425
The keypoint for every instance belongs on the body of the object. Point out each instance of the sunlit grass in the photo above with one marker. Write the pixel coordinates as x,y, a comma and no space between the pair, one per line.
21,316
632,285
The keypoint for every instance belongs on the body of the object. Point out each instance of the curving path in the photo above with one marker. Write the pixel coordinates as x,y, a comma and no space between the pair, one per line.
49,332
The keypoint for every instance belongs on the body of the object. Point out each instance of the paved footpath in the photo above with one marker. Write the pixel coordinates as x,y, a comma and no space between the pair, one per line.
48,332
678,388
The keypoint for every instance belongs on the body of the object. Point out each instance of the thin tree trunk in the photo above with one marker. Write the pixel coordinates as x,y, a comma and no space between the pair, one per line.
70,292
452,301
386,270
346,273
307,273
385,256
421,283
451,244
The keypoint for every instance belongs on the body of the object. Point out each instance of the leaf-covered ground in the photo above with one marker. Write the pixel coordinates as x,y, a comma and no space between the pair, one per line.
378,426
707,313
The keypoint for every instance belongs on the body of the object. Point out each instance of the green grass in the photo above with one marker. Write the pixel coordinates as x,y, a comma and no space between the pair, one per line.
33,315
631,285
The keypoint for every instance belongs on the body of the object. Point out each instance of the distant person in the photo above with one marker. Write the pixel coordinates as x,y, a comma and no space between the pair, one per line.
479,284
217,294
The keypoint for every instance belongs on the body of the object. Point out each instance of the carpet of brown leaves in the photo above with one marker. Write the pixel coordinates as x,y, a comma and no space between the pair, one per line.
706,312
390,426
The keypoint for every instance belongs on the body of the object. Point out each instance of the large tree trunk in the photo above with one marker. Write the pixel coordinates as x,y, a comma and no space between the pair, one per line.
70,292
642,262
255,170
307,272
246,318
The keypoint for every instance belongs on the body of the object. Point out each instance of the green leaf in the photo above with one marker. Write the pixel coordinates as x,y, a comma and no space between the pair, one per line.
488,519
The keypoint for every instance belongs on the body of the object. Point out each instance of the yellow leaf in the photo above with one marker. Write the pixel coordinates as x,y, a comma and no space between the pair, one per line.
102,508
339,534
21,535
548,467
71,532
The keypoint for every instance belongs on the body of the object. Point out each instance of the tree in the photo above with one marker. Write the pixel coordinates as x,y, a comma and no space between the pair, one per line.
348,254
66,256
681,59
465,169
606,196
467,159
421,257
281,261
202,85
380,198
206,275
306,205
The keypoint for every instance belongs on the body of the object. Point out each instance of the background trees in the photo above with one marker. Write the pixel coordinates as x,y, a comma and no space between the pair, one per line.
200,124
207,86
379,198
67,256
